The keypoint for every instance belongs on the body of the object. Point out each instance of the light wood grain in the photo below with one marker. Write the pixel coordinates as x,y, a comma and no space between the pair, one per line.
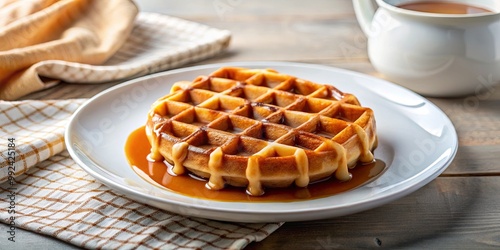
458,210
449,213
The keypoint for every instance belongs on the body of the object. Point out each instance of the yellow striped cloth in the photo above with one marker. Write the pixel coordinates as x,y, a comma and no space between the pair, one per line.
44,42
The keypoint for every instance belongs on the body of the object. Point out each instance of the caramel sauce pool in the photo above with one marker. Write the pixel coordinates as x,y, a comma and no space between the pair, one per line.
137,148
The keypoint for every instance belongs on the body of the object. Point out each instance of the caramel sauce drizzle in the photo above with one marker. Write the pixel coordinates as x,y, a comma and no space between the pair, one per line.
216,182
271,150
303,168
253,175
155,153
342,172
179,154
366,154
137,149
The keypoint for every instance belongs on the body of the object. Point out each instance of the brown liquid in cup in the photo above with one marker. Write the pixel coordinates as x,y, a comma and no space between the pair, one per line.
443,7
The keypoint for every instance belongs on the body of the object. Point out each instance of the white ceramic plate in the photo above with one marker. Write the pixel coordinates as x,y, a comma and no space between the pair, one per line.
417,141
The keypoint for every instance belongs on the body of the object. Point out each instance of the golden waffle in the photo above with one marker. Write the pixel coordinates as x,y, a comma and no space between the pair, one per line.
258,128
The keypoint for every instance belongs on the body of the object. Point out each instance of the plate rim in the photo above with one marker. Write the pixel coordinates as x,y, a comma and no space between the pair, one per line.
370,203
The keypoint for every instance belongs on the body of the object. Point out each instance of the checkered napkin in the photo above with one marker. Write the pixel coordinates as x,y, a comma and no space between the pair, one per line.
51,195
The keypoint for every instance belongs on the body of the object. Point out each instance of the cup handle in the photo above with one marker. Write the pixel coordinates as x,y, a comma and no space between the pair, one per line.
364,10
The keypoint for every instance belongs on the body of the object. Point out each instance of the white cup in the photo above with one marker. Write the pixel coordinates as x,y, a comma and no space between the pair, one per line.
440,55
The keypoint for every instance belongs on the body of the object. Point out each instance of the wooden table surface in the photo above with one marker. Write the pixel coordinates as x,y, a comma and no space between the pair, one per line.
459,209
